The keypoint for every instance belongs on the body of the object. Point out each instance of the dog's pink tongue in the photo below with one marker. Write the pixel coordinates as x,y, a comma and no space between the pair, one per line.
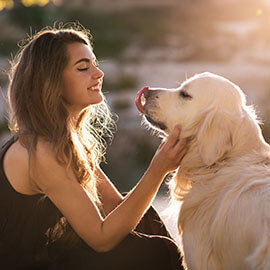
139,99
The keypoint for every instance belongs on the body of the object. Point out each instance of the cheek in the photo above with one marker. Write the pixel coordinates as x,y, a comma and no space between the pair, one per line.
71,87
174,112
169,107
174,117
68,91
189,115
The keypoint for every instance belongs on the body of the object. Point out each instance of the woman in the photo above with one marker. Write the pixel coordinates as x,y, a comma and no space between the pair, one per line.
58,209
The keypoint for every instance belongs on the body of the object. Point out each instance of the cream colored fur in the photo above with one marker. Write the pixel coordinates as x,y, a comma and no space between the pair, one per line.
223,185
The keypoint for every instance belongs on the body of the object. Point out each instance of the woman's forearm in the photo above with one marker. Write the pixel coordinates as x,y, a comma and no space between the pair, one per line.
110,197
122,220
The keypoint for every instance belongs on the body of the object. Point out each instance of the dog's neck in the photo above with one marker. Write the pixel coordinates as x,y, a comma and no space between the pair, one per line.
246,138
193,169
192,163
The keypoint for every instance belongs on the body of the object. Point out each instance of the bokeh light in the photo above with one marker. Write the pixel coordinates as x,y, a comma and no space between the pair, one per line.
8,4
259,12
28,3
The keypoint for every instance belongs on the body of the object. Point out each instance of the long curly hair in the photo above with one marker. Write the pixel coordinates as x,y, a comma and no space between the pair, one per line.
37,107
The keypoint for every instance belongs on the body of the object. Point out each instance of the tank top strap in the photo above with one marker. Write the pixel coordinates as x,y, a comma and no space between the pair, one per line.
3,179
5,147
4,182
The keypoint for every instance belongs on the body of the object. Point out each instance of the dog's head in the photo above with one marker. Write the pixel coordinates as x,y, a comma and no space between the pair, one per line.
208,107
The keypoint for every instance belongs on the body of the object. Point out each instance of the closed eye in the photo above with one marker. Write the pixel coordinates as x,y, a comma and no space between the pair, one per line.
184,94
83,69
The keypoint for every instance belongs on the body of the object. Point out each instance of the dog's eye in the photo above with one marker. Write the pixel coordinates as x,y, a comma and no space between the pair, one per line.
184,94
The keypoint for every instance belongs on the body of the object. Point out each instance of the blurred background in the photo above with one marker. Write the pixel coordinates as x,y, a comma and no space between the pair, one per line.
151,42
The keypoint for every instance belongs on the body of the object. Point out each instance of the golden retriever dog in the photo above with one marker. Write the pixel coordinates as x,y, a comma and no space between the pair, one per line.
223,183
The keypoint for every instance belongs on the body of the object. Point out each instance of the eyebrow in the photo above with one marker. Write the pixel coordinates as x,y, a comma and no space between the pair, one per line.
87,60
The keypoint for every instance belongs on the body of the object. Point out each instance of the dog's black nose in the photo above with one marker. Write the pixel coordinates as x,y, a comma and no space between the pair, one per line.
149,93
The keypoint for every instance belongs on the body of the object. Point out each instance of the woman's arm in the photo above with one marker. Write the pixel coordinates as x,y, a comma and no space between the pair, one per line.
103,234
110,197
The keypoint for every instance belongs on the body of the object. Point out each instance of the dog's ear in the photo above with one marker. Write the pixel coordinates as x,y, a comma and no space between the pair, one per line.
214,137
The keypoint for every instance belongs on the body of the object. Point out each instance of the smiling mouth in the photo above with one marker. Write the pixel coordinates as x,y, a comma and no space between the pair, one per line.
157,124
95,87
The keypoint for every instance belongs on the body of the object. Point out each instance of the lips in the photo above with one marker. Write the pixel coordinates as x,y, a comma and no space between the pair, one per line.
139,99
95,87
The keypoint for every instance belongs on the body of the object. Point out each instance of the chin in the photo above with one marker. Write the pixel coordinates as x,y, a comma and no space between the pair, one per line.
157,125
97,100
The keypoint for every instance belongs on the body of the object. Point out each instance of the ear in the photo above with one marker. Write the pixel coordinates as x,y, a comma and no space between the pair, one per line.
214,138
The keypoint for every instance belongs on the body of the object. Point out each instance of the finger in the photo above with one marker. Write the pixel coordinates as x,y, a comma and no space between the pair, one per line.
181,144
182,154
179,148
161,144
173,138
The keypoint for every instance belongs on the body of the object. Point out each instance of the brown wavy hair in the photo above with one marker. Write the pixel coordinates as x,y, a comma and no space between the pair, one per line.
37,107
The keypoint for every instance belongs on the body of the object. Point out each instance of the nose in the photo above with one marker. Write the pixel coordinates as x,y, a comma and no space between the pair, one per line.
98,74
149,93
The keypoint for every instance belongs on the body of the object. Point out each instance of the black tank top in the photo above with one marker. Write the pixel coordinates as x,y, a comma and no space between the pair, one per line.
29,239
27,224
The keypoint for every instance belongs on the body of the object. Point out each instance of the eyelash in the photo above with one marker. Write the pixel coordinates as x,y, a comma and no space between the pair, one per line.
184,94
83,69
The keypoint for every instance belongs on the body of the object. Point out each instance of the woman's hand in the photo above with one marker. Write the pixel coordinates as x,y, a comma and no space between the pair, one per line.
170,153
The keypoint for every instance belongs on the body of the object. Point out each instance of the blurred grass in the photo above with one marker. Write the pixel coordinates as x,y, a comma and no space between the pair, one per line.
190,23
124,82
112,31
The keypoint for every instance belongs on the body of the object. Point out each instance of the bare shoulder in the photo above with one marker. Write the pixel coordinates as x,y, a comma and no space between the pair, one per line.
17,156
44,155
48,172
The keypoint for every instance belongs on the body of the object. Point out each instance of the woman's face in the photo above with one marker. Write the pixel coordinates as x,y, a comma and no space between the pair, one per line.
82,78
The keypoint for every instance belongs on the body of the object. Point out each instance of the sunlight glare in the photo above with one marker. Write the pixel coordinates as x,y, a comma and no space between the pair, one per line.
259,12
2,5
29,3
42,2
6,4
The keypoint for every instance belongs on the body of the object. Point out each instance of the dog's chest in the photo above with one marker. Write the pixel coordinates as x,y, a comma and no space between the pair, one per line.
195,220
